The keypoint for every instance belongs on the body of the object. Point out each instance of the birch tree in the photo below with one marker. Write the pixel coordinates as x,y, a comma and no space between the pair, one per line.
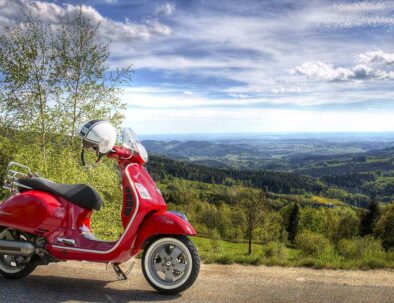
55,76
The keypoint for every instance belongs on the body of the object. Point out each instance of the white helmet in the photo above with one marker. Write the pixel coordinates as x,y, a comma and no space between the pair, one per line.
99,135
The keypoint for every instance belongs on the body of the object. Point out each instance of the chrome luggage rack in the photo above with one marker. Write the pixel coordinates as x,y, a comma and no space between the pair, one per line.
16,171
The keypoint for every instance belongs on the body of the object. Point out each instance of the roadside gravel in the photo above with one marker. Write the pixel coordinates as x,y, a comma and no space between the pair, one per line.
87,282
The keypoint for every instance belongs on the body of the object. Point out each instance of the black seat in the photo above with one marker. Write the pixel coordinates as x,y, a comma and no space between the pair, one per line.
79,194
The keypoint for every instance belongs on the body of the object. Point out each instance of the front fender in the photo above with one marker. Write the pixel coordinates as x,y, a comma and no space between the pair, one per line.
163,223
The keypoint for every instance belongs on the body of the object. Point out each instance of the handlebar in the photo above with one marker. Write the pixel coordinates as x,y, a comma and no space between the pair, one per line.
118,153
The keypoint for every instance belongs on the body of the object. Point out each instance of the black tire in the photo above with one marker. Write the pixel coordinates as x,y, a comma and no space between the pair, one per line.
25,271
195,268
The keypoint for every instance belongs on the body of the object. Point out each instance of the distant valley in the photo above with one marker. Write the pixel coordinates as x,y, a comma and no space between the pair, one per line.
358,163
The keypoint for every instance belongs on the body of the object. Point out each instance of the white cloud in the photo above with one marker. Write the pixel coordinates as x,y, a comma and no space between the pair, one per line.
172,98
165,9
286,89
187,92
355,14
324,71
365,70
238,95
378,56
10,12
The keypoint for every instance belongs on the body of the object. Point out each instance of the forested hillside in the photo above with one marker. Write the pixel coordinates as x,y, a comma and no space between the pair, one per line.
279,182
276,182
357,167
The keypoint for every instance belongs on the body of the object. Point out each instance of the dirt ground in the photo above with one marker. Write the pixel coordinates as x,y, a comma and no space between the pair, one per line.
87,282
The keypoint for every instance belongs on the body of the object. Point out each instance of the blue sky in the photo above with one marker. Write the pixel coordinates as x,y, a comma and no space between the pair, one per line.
246,66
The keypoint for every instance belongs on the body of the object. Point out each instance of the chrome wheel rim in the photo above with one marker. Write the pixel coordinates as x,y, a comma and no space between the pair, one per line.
168,263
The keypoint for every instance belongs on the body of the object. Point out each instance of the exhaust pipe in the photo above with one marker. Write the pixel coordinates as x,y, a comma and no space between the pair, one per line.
17,248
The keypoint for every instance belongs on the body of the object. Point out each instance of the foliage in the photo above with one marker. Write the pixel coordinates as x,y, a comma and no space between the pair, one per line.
275,249
6,151
348,226
292,224
311,243
272,229
215,241
349,248
385,227
369,219
54,78
252,206
278,182
235,253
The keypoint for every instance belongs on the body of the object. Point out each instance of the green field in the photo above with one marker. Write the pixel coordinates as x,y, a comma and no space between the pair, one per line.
237,253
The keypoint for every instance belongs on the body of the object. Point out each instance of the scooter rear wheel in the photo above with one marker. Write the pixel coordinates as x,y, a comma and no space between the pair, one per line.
171,264
9,267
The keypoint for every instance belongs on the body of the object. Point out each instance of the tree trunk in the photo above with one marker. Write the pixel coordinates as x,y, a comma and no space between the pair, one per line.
250,242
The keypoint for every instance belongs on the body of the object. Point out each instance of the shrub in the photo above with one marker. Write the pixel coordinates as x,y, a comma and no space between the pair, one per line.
385,227
390,257
216,244
224,259
367,248
348,248
371,248
275,250
312,244
6,152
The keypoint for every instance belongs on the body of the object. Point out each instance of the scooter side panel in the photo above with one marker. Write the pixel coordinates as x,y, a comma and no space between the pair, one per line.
33,211
146,190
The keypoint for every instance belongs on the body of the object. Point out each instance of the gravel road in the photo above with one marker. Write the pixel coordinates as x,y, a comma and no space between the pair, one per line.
86,282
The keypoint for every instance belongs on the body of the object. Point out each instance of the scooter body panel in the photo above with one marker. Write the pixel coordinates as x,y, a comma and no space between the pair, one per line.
161,223
33,211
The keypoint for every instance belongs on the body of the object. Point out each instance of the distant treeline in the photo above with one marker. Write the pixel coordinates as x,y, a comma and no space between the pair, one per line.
278,182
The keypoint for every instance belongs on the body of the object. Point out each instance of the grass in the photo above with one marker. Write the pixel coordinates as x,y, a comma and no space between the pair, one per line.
231,253
324,200
309,199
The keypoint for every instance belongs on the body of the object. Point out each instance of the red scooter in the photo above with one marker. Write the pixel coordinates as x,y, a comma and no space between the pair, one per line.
44,222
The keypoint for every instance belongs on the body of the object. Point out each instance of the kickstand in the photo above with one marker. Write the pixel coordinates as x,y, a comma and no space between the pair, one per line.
119,271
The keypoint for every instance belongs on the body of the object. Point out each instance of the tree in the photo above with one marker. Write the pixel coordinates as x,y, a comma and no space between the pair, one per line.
252,206
54,77
89,90
30,84
348,226
272,228
369,219
385,227
292,224
6,152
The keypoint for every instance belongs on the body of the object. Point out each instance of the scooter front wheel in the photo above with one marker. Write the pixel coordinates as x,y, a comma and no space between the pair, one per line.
171,264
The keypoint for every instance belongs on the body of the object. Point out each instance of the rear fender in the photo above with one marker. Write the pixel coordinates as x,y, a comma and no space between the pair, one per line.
164,223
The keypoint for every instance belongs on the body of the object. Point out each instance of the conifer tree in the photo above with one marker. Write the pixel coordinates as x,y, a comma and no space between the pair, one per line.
370,218
292,225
